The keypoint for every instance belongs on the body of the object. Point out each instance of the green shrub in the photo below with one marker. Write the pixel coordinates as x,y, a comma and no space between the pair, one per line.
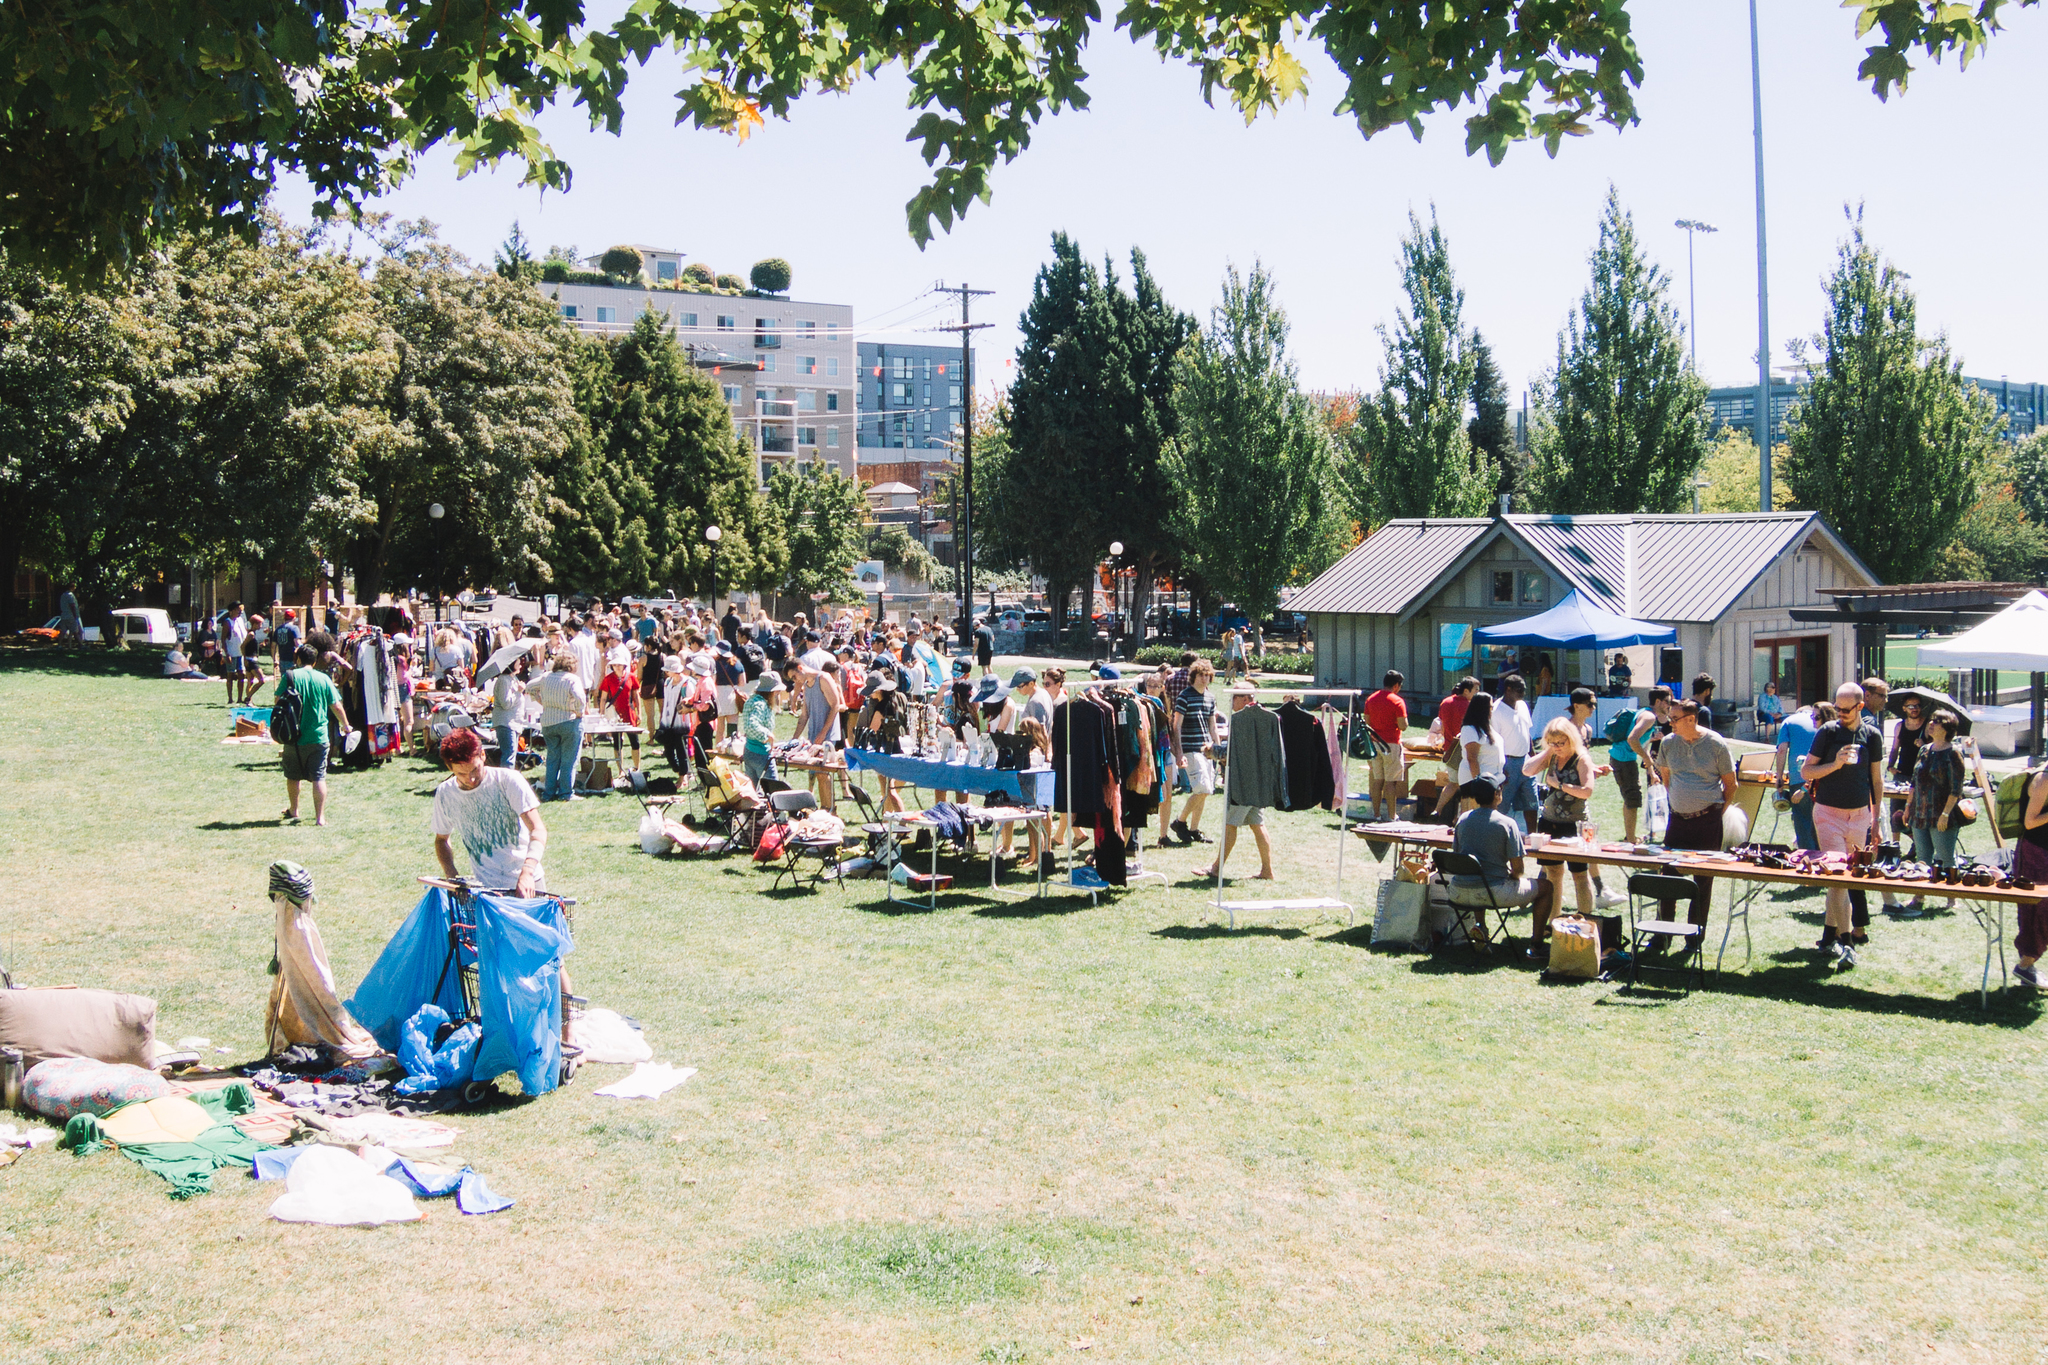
555,272
700,273
621,261
771,276
731,282
1301,665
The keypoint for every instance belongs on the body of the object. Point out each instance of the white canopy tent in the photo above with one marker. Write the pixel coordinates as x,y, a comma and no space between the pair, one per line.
2015,639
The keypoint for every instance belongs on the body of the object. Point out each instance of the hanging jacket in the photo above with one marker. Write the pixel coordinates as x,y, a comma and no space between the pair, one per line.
1310,782
1258,775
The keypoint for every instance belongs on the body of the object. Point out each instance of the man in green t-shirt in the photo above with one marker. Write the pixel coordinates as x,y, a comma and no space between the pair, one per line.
306,760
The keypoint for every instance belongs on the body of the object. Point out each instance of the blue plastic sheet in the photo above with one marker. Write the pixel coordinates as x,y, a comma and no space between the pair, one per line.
428,1068
519,949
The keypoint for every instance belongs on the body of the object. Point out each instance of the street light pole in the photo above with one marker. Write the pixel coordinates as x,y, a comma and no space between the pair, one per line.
963,533
1692,296
435,512
714,535
1763,303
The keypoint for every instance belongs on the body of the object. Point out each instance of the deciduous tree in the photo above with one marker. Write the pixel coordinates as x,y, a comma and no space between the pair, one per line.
821,513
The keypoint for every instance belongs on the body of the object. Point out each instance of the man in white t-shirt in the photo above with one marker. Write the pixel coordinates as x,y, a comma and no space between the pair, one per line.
1512,722
495,814
589,659
234,633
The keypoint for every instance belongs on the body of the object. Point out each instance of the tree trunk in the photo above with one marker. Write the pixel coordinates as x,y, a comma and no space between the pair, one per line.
10,565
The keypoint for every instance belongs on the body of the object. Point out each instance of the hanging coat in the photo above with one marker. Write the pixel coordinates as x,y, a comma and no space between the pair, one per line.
1258,774
1306,754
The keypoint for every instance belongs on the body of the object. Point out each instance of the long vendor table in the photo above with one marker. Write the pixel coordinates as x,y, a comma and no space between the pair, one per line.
1746,882
1032,788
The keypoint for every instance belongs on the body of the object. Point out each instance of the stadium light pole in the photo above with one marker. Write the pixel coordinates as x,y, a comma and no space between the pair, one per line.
1692,294
1763,304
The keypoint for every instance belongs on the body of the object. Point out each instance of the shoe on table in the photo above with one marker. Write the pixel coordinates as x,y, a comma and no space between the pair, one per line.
2028,975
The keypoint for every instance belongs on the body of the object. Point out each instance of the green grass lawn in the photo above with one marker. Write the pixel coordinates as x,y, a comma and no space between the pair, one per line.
1020,1131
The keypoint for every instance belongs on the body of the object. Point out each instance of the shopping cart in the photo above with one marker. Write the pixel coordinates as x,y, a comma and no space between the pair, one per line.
462,962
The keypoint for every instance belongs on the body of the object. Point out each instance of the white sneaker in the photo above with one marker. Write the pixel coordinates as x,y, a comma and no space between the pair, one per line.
1607,900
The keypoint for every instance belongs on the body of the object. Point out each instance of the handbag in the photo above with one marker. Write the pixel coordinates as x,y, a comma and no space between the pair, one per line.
1574,947
1399,920
1964,815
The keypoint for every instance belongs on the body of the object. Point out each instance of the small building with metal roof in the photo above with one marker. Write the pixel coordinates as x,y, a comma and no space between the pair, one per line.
1735,587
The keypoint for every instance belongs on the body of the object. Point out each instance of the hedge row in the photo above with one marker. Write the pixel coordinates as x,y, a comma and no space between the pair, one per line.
1302,665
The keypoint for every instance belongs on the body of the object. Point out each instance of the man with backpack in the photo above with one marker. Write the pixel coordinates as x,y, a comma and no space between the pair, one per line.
1628,749
298,721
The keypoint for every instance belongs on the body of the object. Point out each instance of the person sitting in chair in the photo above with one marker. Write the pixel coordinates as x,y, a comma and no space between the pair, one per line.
1495,842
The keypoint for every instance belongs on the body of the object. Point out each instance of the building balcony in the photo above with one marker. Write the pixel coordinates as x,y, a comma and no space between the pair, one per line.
775,411
767,341
777,445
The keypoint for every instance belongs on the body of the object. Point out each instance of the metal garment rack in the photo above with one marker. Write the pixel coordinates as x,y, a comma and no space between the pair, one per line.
1067,843
1343,776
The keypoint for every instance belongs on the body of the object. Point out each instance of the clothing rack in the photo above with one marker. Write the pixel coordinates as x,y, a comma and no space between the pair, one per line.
1067,843
1343,777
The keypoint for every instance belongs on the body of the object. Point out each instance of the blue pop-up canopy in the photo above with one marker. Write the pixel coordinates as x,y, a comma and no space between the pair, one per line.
1576,623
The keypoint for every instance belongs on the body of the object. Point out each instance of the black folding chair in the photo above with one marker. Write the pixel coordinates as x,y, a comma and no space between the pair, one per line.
790,805
872,825
1652,886
1449,865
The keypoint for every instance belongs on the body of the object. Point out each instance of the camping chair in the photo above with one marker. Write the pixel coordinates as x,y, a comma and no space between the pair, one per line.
1652,886
790,805
1449,865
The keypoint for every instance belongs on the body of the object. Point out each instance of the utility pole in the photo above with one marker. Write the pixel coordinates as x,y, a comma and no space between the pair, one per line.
1763,305
1692,295
963,529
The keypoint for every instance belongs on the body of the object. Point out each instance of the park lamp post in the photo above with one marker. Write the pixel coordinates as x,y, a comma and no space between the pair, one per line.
1116,591
714,535
1692,296
435,513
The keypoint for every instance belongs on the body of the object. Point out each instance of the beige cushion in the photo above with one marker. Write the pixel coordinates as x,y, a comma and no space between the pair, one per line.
106,1026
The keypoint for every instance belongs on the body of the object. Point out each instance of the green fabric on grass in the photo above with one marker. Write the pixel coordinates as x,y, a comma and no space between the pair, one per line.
187,1167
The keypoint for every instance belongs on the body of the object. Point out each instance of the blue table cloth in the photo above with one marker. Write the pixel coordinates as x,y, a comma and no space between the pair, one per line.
1029,788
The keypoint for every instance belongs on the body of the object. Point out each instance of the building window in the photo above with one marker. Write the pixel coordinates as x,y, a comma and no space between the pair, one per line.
832,400
1504,589
1535,588
807,364
732,395
953,396
766,361
860,399
927,421
901,396
832,438
726,322
568,310
607,315
831,331
806,436
927,367
902,368
831,364
927,388
810,328
806,400
664,270
686,320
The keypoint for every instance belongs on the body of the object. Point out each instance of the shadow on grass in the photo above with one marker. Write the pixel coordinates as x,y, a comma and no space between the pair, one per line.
1038,907
269,822
2017,1007
89,662
1196,932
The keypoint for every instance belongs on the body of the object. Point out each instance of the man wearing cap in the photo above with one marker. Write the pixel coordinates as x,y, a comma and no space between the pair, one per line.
757,726
1495,842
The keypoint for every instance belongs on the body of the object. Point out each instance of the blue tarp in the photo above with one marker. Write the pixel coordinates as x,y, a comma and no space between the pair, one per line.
519,950
1576,623
1032,788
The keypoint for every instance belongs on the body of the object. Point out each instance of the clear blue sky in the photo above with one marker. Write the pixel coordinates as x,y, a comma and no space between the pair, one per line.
1949,176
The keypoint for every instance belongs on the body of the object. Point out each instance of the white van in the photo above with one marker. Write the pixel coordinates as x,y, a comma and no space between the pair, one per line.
144,626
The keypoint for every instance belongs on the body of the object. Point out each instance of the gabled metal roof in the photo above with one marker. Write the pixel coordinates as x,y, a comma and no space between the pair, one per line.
1658,568
1390,567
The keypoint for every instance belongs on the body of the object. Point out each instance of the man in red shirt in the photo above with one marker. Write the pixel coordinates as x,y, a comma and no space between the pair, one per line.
1451,715
1386,715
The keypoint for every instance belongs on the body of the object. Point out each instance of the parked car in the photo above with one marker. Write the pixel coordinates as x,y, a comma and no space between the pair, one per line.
1227,617
49,631
1286,624
143,626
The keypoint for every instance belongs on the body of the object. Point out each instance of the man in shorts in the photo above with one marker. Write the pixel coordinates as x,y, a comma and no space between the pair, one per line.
1198,742
1494,841
306,761
984,647
1631,758
234,633
1386,715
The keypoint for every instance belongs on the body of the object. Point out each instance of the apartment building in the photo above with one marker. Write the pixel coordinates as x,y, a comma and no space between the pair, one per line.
786,367
909,396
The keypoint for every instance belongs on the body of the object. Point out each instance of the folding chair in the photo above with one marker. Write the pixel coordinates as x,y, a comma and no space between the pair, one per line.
790,805
1651,886
1449,865
880,841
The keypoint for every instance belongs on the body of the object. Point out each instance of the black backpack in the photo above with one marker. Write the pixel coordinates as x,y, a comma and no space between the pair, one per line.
287,711
752,659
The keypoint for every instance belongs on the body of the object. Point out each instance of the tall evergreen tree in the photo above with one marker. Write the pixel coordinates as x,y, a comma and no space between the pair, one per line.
1255,501
1492,438
1409,454
1888,441
515,256
1621,420
1090,411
